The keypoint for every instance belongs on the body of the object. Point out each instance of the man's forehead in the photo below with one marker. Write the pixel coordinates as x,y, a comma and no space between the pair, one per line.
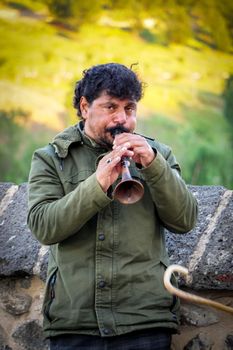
104,96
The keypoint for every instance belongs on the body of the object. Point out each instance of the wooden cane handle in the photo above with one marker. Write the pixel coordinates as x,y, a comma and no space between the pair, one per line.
188,296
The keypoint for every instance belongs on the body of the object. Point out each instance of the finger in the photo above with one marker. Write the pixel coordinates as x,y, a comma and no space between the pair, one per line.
112,161
130,141
123,151
121,145
143,151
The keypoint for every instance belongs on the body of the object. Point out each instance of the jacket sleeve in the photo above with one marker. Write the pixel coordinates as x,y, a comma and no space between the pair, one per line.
52,215
175,204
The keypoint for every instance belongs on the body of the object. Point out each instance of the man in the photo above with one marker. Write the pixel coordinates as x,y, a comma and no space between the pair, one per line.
107,259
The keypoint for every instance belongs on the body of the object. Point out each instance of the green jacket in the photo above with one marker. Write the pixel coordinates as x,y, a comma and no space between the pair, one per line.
107,260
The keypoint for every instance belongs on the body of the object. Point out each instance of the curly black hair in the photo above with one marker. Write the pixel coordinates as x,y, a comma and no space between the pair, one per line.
114,78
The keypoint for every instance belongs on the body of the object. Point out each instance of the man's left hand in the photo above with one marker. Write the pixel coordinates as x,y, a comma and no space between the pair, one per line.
143,153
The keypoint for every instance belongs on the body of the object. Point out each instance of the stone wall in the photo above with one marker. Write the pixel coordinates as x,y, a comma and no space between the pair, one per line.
207,252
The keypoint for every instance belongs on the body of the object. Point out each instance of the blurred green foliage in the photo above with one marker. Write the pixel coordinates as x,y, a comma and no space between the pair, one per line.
11,137
228,102
181,18
17,144
201,144
185,57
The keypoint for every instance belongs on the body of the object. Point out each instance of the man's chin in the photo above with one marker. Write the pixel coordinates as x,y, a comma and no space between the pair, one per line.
106,142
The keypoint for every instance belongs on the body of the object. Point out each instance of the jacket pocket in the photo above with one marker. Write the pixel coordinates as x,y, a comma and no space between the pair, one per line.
50,294
71,182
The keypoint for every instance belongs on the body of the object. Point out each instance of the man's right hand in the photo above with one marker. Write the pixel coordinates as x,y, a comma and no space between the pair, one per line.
109,167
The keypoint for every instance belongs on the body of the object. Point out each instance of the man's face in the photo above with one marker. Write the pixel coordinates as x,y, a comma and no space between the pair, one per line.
106,113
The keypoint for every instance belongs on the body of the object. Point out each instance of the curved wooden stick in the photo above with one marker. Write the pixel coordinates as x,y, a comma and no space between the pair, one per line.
187,296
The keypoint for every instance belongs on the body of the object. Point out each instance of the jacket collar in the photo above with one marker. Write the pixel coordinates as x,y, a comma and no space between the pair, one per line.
73,134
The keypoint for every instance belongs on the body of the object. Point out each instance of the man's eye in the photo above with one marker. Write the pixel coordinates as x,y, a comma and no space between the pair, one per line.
130,109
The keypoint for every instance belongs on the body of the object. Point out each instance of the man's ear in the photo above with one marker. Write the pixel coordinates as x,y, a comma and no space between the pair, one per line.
84,105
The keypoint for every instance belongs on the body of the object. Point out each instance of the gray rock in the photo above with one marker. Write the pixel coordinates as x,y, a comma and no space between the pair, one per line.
181,247
5,347
30,337
229,342
207,251
215,268
3,341
199,342
13,302
25,282
18,248
4,187
16,303
197,316
3,337
7,284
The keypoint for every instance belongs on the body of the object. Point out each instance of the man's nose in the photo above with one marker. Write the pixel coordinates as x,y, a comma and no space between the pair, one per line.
120,116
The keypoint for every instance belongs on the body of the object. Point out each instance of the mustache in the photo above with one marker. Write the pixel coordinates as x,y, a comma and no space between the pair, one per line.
118,129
